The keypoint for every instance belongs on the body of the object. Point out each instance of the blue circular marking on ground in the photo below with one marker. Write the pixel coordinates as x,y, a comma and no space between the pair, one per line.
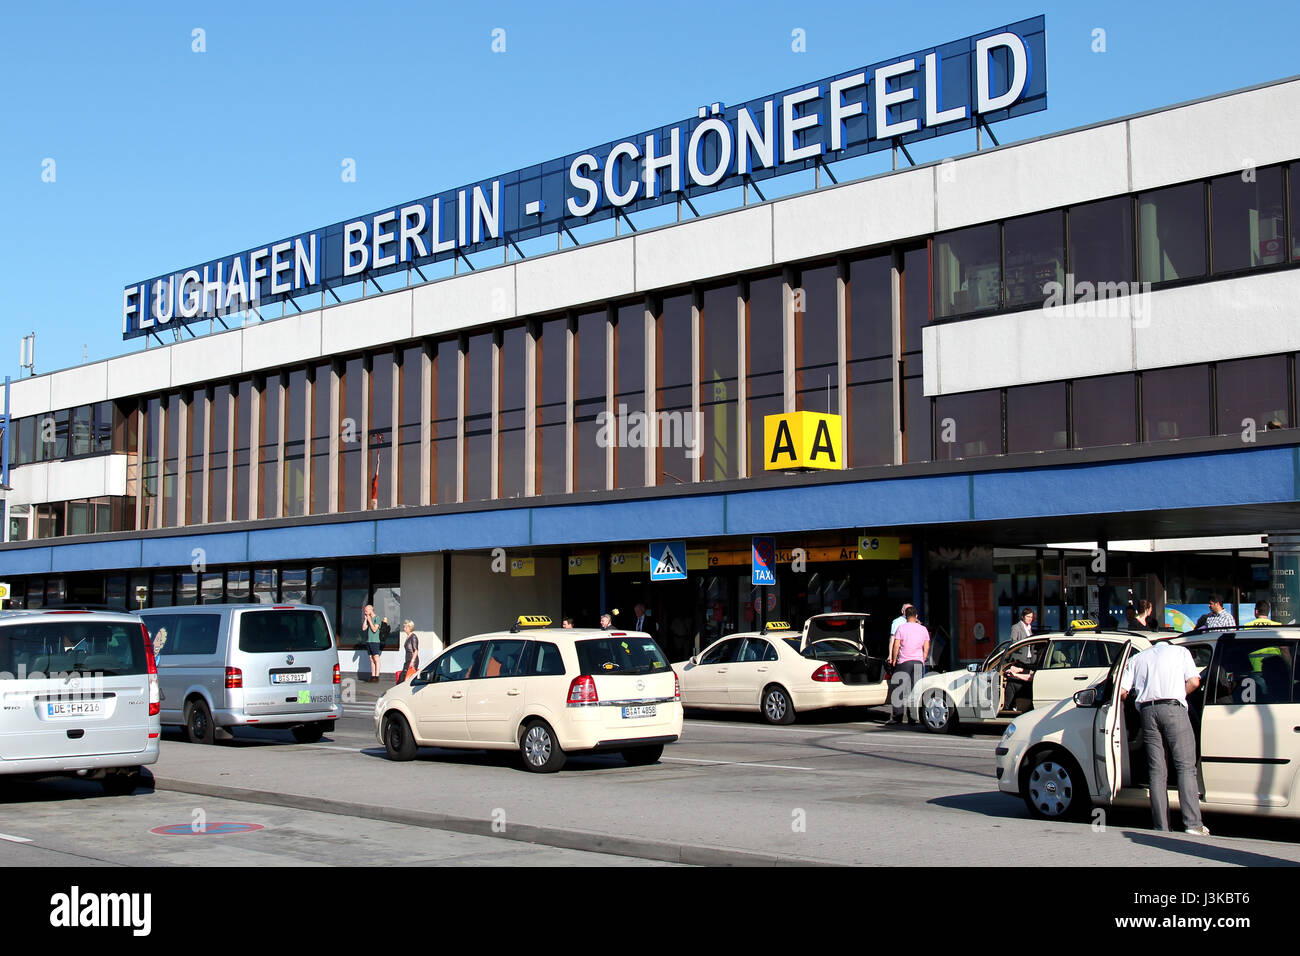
212,829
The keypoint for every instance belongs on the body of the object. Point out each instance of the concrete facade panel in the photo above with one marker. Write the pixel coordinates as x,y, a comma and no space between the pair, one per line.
705,248
586,274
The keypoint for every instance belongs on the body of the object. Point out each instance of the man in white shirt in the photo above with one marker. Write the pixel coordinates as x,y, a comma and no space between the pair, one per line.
1162,677
898,621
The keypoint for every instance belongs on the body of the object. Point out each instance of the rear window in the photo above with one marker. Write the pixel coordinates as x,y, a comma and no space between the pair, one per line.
620,655
67,645
273,632
820,628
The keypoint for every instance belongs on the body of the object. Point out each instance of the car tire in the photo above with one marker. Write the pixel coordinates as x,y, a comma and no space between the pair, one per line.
938,713
199,728
643,756
310,733
1055,788
777,706
121,783
399,742
540,751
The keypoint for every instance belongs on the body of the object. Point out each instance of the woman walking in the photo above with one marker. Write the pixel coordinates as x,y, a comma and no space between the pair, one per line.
412,648
371,638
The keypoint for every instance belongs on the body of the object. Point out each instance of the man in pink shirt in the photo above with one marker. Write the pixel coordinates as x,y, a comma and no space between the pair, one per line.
908,650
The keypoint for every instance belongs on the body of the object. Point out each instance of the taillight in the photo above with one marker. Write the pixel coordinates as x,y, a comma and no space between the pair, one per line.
151,667
583,691
234,677
337,678
827,674
677,687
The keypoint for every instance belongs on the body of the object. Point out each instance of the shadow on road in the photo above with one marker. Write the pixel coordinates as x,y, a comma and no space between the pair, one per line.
986,804
1198,848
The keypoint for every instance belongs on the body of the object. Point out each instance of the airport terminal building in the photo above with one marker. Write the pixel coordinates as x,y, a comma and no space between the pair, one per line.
1063,372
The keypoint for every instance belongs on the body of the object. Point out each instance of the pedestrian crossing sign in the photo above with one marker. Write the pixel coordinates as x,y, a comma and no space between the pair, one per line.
668,561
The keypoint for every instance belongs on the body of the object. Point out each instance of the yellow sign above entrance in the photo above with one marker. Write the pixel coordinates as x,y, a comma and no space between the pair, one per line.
522,568
803,440
584,564
877,549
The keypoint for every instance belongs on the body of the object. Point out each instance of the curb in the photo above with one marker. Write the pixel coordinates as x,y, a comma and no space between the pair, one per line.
524,833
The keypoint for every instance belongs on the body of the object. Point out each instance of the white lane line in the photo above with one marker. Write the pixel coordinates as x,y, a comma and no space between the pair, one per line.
745,763
14,839
354,750
832,732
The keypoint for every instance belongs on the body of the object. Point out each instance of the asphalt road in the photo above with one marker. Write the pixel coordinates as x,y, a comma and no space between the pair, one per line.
835,788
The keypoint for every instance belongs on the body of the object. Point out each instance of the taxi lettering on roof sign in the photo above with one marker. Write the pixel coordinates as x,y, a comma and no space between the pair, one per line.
778,625
533,620
1083,624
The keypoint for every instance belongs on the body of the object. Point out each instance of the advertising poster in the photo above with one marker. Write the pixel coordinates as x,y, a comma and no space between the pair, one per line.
976,618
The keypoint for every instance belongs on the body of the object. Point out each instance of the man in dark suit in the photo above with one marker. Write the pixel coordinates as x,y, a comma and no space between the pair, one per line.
642,622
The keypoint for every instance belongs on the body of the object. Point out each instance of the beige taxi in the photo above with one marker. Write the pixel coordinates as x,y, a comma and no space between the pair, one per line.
1088,751
1058,664
780,672
546,692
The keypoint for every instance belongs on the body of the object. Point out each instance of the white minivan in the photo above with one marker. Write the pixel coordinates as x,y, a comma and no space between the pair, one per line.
254,665
78,696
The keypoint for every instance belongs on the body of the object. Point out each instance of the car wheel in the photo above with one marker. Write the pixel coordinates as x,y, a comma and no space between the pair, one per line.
1054,788
938,712
198,722
399,742
121,782
777,706
641,756
539,749
310,733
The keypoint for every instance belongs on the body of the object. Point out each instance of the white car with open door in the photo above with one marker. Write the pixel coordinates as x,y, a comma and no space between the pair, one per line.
983,695
778,672
547,692
1246,714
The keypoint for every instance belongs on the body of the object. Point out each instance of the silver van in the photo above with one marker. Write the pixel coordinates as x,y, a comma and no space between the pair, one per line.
78,696
255,665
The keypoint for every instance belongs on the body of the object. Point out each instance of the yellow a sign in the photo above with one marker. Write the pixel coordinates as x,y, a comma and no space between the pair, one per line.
803,440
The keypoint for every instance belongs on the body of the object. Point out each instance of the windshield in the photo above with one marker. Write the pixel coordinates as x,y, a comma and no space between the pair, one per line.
62,646
629,654
275,632
846,626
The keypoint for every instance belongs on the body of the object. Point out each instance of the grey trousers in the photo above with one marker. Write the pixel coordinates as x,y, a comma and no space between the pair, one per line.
901,682
1170,723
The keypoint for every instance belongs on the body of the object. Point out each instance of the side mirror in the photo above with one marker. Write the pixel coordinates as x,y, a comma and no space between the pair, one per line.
1086,697
694,661
973,668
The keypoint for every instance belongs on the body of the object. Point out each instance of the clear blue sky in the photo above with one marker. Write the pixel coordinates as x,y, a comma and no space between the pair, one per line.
165,157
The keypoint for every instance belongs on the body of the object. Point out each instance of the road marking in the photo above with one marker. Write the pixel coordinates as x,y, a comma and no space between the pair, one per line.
14,839
745,763
835,732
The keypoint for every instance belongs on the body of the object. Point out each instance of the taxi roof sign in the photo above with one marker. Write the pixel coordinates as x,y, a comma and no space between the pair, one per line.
777,626
1083,624
531,620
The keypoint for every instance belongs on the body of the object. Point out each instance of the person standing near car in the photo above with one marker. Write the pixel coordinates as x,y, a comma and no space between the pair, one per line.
412,648
370,637
1161,678
1218,617
1024,627
907,653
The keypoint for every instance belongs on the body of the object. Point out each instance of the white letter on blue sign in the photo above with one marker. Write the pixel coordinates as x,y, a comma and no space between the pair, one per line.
886,99
129,298
279,266
748,135
585,183
410,228
440,244
792,125
933,115
1019,71
354,240
163,317
255,273
698,176
486,215
379,239
189,305
670,160
237,291
212,289
840,111
304,262
631,151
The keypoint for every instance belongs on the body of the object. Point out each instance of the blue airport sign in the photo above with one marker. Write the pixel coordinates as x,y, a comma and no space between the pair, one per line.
667,560
987,77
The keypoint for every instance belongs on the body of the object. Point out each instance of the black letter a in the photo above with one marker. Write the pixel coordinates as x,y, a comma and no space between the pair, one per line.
785,446
819,445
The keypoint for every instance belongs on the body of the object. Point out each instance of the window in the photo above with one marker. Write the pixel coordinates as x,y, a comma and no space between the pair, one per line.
279,632
458,663
544,661
352,393
1253,393
677,431
719,457
478,417
379,433
152,463
502,659
268,448
245,402
915,414
970,424
193,634
196,410
1064,655
589,401
967,273
758,650
724,653
1171,233
218,447
552,407
1036,417
322,375
325,592
1105,411
237,586
445,412
410,414
1176,403
1254,671
295,434
816,339
511,463
1294,178
1248,220
1033,249
1101,244
621,655
764,362
82,430
629,396
173,413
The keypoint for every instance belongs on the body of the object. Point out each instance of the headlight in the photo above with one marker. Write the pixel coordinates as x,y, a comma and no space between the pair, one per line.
1011,729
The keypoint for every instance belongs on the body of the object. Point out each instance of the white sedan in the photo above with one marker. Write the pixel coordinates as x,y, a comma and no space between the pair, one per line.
766,671
1060,664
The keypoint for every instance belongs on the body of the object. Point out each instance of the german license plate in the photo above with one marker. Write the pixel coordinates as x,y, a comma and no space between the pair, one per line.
647,710
74,708
289,678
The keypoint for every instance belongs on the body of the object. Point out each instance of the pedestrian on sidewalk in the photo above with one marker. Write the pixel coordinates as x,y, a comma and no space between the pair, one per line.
370,637
907,653
1161,678
412,648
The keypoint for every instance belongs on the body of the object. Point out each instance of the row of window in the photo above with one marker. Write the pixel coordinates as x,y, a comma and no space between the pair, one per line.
97,429
1244,396
80,516
1216,227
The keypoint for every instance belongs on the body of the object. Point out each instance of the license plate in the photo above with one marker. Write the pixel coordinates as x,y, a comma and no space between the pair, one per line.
289,678
75,708
648,710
